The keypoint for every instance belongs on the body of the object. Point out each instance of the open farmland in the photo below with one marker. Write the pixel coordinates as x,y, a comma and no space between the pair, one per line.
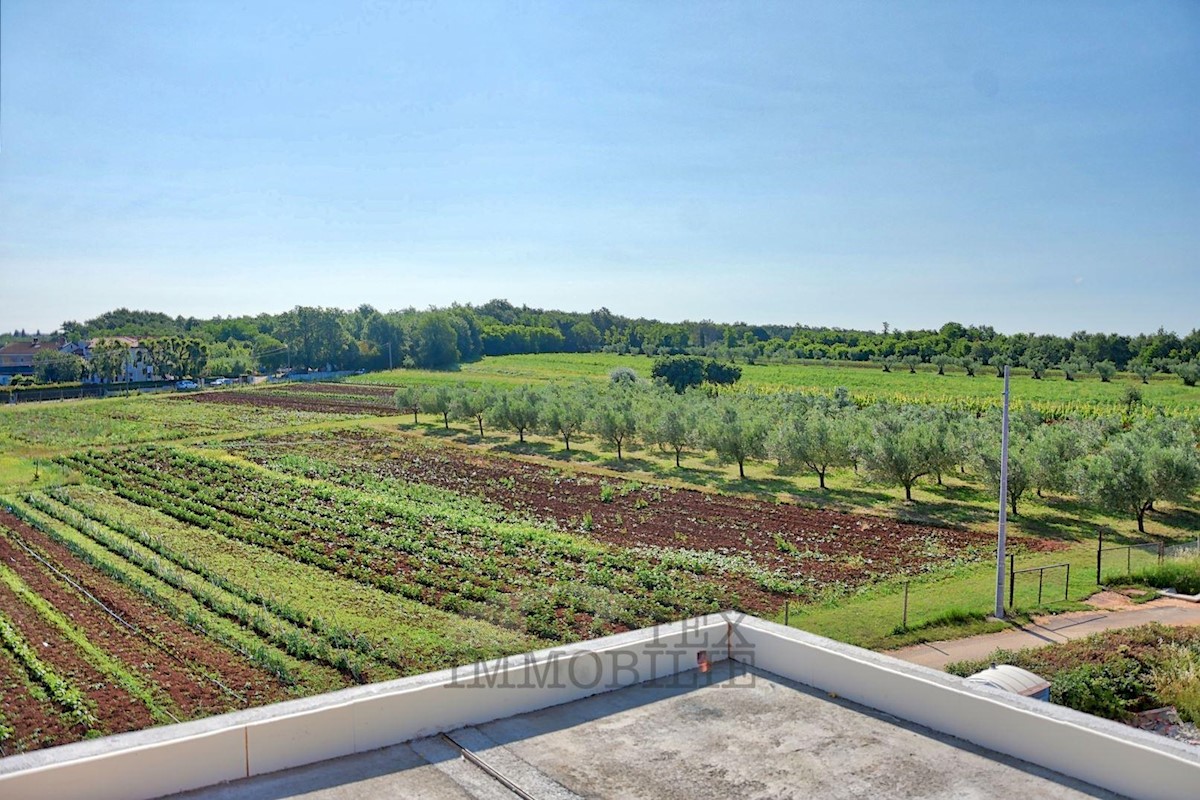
186,555
84,653
45,429
1086,394
320,398
812,548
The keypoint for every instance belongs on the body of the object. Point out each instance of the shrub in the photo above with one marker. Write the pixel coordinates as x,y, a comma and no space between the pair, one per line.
1176,680
623,376
1105,690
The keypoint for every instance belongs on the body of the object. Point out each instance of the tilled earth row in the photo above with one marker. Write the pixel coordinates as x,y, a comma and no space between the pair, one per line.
185,665
326,404
822,545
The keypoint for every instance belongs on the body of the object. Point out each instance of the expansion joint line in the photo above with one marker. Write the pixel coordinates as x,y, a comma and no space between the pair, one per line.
490,770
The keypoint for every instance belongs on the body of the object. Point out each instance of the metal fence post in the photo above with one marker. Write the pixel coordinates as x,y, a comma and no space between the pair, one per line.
1067,589
1099,550
1161,549
1012,579
904,623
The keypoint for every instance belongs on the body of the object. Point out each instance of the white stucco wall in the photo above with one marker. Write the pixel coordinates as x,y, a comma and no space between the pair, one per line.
175,758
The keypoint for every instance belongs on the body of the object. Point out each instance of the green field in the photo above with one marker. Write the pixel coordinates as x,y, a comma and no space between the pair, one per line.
866,380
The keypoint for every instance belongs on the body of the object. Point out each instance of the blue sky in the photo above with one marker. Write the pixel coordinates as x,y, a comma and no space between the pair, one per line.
1026,165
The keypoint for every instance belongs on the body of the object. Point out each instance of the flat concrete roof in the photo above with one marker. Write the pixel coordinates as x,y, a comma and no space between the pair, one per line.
736,731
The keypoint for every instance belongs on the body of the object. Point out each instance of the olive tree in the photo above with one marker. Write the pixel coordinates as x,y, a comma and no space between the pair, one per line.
815,439
1142,370
473,404
672,423
408,399
519,409
563,412
942,361
1036,366
999,362
613,419
901,447
438,400
1136,468
1020,465
736,432
1052,454
1072,368
1188,372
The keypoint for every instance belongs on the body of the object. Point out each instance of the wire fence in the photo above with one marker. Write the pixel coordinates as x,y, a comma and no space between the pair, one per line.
1117,560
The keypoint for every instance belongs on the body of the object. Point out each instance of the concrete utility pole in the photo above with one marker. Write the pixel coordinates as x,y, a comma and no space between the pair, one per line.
1000,545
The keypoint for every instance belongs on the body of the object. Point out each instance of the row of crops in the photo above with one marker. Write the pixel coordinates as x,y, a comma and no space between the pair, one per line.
162,584
85,649
453,557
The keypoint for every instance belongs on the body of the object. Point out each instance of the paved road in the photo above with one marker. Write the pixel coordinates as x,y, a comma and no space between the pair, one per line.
1050,630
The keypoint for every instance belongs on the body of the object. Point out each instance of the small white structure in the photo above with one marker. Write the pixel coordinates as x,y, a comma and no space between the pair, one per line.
1008,678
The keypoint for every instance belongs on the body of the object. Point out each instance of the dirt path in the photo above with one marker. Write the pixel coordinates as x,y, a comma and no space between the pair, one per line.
1110,613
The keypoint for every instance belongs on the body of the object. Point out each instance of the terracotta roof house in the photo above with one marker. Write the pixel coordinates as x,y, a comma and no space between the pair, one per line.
16,358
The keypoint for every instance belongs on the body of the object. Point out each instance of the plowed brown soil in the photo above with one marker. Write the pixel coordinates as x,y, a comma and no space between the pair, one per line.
117,710
821,545
35,722
180,664
333,404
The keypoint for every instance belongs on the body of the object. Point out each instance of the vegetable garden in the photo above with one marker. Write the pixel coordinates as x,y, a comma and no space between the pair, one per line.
170,558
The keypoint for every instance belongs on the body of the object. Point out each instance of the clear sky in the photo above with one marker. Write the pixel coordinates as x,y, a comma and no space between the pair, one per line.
1029,165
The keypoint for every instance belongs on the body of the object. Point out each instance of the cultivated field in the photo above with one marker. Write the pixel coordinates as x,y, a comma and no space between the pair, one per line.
863,380
168,558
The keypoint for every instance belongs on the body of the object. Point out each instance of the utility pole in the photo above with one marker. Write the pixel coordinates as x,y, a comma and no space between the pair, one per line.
1000,545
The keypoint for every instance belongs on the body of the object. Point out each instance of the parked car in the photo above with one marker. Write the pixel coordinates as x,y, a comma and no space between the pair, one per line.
182,385
221,382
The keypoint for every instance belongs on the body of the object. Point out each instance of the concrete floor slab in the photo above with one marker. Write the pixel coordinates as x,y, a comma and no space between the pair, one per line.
755,735
734,732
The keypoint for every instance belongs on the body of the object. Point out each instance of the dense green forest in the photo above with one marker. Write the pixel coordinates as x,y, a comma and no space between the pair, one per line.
366,338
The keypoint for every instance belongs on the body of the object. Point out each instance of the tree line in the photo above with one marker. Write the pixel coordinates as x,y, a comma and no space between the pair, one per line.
366,338
1121,466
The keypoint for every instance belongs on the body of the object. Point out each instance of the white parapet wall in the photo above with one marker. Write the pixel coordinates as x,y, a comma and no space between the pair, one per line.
174,758
1103,753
